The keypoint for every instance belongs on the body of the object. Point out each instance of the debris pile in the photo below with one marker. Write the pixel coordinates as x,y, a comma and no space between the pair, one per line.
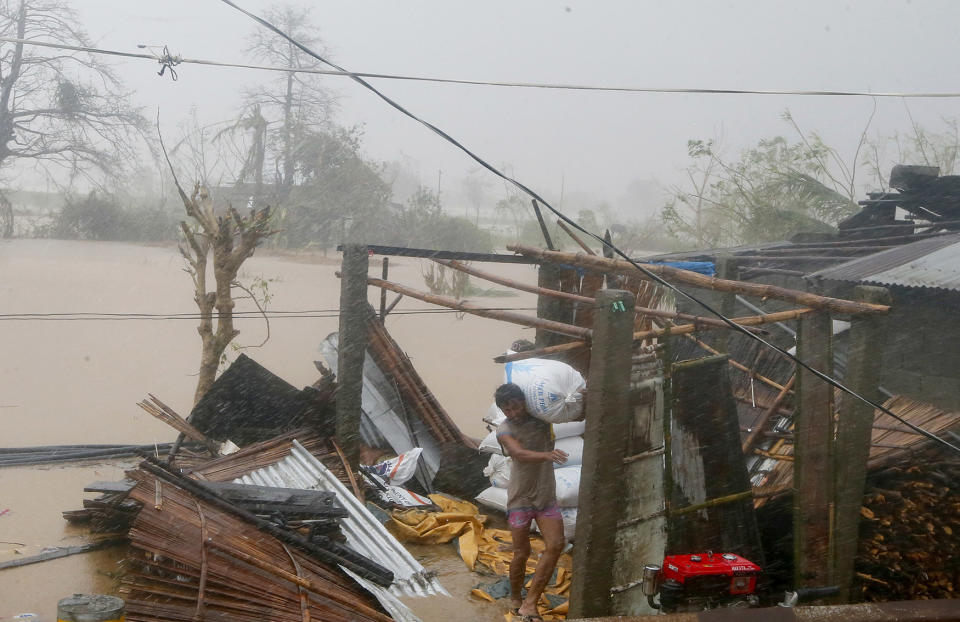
909,544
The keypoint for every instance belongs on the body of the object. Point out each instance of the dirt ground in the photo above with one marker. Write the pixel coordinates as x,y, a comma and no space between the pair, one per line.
78,380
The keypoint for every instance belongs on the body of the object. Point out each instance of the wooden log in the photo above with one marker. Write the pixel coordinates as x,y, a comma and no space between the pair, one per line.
669,273
505,316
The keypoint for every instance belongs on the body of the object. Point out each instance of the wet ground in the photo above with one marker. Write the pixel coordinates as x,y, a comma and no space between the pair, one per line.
76,381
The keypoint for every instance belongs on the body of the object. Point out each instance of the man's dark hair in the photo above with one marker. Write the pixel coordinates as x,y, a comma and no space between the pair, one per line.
506,393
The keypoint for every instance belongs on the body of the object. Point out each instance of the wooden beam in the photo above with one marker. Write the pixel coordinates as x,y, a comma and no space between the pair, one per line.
813,460
605,447
854,431
351,348
670,273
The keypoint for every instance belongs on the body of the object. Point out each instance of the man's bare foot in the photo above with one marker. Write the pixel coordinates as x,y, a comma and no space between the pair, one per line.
528,612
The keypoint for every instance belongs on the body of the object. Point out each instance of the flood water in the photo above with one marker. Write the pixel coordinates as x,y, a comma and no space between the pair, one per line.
78,381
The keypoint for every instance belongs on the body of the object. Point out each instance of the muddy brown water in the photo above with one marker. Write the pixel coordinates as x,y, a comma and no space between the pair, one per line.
73,382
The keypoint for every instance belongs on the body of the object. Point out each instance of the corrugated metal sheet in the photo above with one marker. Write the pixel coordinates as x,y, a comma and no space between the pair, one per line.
932,263
364,533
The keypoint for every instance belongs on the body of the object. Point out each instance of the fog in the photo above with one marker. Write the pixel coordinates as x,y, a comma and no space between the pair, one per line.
593,143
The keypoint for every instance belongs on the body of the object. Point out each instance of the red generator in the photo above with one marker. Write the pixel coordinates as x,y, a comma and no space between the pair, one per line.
701,581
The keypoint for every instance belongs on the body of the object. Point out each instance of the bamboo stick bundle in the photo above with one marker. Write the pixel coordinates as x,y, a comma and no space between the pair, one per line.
687,277
390,363
166,414
191,560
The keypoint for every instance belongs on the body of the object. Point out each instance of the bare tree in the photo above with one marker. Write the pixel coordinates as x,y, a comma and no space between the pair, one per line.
281,113
60,108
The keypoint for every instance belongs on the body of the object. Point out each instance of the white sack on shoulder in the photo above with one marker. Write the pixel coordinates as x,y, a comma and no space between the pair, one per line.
551,388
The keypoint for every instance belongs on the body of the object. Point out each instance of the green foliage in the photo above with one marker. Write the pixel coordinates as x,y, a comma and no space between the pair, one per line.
422,223
337,189
772,191
98,216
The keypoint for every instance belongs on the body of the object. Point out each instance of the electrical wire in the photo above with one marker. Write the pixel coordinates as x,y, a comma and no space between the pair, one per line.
168,61
650,275
272,315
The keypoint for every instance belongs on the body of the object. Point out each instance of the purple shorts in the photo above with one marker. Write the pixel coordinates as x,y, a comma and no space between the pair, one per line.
520,518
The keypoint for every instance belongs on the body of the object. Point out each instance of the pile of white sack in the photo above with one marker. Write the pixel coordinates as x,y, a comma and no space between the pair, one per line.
552,391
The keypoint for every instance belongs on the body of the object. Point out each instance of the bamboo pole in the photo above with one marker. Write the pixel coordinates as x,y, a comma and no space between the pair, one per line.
545,291
687,277
774,407
575,237
506,316
675,329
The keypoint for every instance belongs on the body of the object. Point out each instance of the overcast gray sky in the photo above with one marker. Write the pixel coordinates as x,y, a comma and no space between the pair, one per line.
590,142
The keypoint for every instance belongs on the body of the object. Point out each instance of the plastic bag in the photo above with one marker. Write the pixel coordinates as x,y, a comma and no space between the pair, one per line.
551,388
498,470
400,469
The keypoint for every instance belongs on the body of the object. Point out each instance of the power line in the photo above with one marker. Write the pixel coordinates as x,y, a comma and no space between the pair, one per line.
650,275
272,315
168,61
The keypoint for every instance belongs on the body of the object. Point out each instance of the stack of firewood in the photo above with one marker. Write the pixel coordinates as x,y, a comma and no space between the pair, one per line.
910,536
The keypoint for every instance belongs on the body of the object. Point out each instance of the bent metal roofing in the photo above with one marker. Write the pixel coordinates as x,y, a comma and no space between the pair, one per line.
932,263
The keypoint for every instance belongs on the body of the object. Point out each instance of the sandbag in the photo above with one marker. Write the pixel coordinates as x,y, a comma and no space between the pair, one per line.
490,444
573,428
551,388
400,469
498,470
568,486
573,445
493,497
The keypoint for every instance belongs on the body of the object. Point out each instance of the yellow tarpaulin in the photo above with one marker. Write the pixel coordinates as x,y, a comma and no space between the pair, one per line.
491,548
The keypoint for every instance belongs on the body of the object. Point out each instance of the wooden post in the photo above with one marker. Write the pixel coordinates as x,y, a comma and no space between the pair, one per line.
383,293
605,444
551,276
351,347
854,429
726,269
813,440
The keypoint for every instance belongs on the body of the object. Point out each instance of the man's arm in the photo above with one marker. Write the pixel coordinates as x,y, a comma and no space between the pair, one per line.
516,451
